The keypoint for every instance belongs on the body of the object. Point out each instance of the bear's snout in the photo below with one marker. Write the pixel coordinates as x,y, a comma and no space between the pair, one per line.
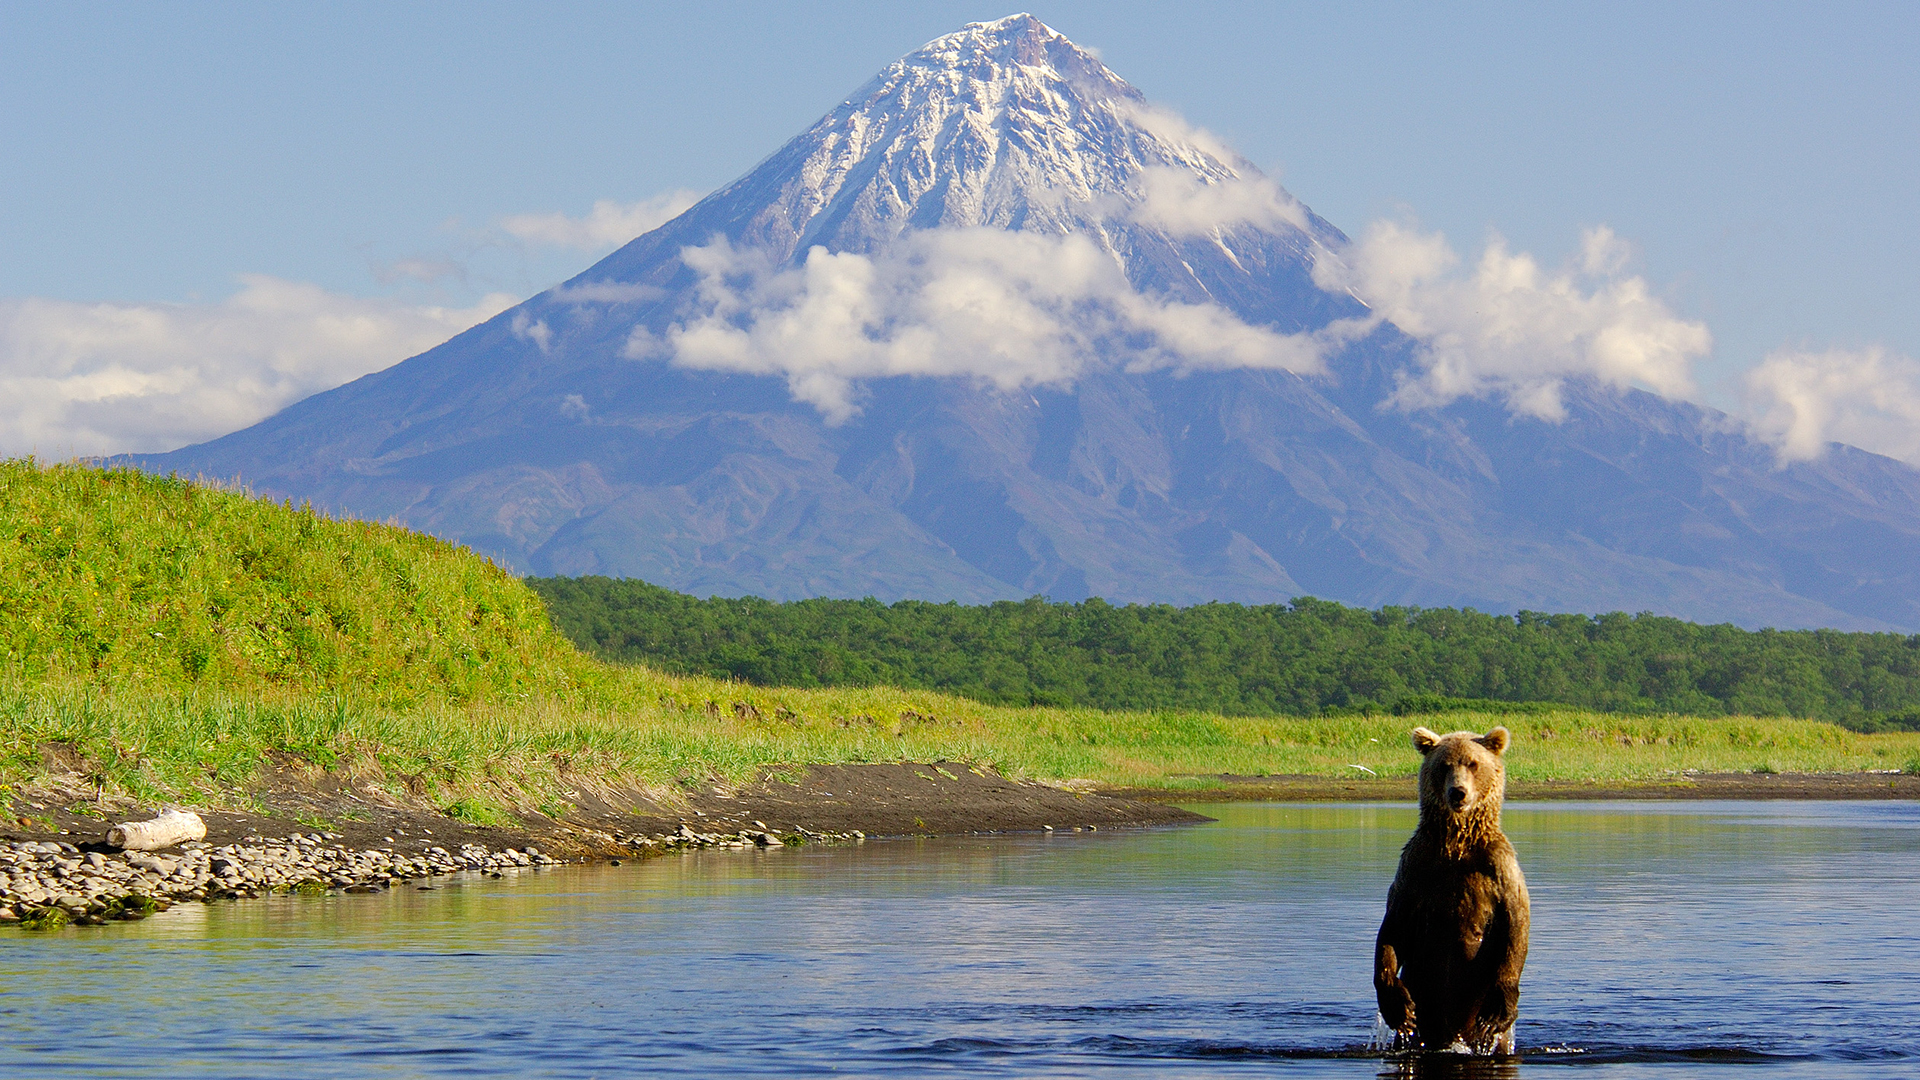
1458,787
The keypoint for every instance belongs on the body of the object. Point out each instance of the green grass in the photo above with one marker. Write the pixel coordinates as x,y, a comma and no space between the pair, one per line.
479,760
176,636
135,581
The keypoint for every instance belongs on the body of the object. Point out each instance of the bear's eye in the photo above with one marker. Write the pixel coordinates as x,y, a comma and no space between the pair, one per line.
1474,765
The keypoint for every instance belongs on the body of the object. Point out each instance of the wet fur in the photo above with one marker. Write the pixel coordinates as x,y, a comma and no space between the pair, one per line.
1448,958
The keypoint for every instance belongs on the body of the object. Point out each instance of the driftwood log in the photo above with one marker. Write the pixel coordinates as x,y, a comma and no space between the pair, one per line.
170,828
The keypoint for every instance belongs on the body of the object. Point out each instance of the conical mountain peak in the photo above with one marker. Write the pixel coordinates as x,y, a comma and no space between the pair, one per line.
1004,124
1008,52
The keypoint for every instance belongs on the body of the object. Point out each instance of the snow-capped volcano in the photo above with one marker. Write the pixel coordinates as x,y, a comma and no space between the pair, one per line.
996,326
1004,124
1008,125
997,206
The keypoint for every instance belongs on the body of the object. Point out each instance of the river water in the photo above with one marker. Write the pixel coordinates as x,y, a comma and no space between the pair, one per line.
1777,939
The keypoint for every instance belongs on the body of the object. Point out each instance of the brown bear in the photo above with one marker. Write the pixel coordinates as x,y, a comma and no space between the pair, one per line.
1446,966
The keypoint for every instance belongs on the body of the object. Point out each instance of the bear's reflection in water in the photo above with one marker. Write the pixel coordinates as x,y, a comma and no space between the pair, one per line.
1403,1059
1450,1067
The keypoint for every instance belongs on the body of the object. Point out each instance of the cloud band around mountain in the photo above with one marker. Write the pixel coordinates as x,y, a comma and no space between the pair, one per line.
1508,329
1013,309
1804,400
1010,308
1021,309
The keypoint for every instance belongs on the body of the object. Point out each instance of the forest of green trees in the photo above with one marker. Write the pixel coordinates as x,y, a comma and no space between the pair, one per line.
1304,658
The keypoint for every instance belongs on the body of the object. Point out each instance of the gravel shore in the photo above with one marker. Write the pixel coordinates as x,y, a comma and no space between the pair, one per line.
47,884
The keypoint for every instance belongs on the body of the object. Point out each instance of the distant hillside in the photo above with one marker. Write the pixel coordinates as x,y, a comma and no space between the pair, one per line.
1307,657
130,579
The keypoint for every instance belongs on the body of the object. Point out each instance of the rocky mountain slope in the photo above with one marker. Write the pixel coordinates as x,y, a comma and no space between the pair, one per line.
996,326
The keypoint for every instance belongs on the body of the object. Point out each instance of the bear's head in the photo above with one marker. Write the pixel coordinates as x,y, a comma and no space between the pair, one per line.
1464,775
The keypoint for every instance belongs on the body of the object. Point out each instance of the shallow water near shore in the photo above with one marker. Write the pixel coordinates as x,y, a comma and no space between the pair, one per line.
1669,939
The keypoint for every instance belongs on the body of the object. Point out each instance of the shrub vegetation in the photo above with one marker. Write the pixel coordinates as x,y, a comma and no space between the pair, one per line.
1305,658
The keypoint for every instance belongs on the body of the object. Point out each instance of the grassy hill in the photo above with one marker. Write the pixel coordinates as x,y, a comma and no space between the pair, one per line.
176,636
130,580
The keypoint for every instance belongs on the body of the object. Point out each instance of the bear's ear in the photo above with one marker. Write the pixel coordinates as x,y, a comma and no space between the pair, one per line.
1424,740
1495,740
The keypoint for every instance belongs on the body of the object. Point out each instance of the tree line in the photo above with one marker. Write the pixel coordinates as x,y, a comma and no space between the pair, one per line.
1308,657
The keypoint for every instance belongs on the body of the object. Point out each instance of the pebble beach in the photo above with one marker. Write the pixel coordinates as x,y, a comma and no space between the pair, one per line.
47,884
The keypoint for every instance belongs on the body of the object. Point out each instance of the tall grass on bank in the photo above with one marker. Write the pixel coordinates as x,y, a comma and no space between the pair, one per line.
660,733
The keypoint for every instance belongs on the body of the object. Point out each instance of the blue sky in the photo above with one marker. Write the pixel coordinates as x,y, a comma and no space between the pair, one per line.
1762,160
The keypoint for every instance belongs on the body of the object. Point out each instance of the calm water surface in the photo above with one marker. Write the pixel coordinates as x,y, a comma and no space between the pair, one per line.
1776,939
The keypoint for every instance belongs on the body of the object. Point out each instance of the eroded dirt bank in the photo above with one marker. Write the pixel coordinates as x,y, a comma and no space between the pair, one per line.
876,800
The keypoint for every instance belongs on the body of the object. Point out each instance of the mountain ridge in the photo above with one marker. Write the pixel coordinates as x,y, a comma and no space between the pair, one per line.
936,347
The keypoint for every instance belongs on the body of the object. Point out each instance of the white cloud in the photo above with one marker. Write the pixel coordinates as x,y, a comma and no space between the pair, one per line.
1868,398
98,378
1205,187
1510,329
1014,309
536,331
1194,146
1183,203
608,224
